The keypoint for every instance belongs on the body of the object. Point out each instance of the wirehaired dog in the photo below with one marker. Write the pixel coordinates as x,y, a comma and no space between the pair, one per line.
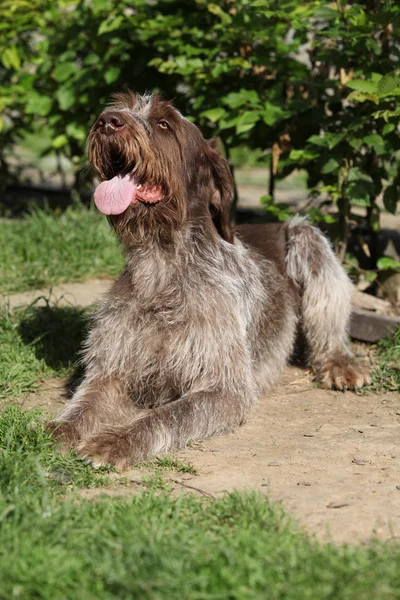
203,318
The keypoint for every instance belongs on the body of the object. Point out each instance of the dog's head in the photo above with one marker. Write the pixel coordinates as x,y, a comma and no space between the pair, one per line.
158,172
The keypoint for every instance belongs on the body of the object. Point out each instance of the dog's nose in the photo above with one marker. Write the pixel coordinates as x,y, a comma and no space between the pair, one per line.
110,122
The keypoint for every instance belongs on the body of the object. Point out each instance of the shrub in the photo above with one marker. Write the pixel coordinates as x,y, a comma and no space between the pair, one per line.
311,85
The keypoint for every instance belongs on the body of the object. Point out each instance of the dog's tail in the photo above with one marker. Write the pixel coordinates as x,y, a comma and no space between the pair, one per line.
325,291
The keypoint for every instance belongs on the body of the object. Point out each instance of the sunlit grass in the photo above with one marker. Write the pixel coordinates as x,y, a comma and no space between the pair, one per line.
46,248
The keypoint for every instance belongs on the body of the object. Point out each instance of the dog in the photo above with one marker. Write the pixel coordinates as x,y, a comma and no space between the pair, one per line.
204,316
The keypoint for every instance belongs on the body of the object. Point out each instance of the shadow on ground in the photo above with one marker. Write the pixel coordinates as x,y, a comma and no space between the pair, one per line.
56,336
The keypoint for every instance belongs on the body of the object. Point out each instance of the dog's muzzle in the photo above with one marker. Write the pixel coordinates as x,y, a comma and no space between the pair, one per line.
109,123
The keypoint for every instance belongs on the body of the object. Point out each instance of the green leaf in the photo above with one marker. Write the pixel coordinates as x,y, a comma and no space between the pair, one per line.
302,155
100,5
91,59
247,121
370,276
330,166
355,143
329,219
315,215
266,201
362,97
326,13
386,263
355,191
360,187
227,123
296,154
317,140
356,174
376,142
329,140
214,114
273,114
386,114
361,85
65,97
279,210
60,141
373,140
215,9
78,132
68,55
110,24
10,58
239,99
388,128
334,139
390,198
63,71
112,74
38,105
387,84
350,258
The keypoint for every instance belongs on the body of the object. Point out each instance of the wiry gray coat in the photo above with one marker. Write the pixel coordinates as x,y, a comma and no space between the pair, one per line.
203,319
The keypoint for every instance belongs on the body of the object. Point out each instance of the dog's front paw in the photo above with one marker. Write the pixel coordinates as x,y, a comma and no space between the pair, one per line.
107,447
342,373
64,433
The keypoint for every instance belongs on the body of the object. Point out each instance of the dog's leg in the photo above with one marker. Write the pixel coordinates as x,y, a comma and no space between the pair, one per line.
325,305
195,416
95,403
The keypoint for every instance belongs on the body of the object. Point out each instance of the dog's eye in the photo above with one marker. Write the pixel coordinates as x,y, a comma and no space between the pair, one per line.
163,124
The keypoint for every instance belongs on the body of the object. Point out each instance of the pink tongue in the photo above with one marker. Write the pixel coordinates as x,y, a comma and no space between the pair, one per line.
114,196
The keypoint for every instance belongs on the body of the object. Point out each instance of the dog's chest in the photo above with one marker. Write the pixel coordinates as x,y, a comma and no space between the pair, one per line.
162,349
171,330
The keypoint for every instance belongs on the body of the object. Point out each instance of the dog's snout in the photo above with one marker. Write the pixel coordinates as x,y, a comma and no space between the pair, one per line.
110,122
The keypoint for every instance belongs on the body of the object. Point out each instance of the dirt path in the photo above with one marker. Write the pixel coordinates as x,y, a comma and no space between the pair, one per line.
332,459
81,293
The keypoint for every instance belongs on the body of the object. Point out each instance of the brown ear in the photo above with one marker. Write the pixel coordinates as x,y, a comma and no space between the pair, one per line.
220,202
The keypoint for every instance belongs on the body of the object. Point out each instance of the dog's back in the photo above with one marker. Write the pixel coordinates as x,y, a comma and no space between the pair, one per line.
269,239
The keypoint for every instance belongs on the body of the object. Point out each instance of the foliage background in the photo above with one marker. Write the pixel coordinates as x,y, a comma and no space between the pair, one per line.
311,85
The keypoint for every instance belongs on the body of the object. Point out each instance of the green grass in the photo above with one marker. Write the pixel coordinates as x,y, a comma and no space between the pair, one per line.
386,374
31,469
169,463
159,465
54,545
36,343
45,248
